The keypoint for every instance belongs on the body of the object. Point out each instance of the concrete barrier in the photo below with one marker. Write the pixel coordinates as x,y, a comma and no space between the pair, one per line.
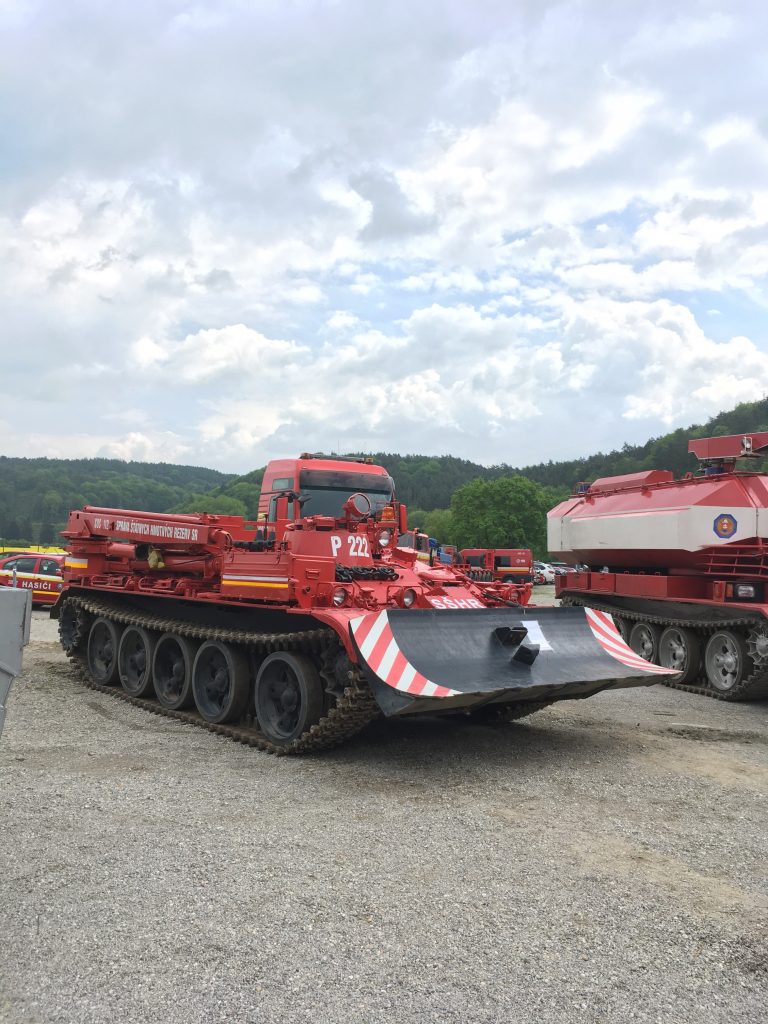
15,620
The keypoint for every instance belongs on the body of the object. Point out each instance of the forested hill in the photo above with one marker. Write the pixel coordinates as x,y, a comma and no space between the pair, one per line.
36,495
429,482
667,452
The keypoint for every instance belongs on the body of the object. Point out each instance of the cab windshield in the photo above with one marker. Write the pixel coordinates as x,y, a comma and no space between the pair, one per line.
326,490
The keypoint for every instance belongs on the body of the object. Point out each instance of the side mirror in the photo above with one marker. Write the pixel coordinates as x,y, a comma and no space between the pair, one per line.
402,518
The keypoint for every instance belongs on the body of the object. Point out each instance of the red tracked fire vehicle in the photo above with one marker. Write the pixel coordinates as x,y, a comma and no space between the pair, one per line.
681,565
292,632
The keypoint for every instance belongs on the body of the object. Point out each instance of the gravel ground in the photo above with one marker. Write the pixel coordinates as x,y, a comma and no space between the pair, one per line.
601,861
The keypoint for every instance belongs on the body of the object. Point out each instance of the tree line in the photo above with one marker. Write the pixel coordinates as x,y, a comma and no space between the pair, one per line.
455,500
37,495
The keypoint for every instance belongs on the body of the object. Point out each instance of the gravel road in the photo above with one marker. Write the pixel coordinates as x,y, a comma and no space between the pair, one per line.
602,861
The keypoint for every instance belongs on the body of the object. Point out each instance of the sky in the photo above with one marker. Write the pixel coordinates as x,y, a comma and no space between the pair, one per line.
503,230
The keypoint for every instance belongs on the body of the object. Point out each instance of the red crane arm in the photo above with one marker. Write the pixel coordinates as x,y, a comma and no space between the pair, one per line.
734,446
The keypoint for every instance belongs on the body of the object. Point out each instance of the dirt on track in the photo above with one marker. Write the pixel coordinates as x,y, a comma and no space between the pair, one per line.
601,861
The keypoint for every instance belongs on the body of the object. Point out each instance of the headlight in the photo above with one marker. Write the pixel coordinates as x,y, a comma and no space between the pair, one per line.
745,590
340,596
384,537
409,596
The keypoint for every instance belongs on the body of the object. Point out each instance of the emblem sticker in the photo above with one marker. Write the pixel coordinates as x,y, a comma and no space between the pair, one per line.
725,525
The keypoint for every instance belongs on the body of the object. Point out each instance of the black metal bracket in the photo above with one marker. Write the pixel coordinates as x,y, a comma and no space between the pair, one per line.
517,636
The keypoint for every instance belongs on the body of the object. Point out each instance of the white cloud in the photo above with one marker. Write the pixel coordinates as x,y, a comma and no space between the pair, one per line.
341,320
235,351
671,371
139,447
461,279
494,230
457,380
731,129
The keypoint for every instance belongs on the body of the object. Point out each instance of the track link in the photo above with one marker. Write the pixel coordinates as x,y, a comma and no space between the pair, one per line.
754,687
355,706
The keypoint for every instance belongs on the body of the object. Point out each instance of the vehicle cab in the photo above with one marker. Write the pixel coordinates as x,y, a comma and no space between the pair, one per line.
319,486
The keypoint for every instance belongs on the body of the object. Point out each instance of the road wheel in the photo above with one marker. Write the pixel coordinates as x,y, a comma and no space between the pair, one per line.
757,646
288,696
172,671
134,661
103,644
220,682
644,640
727,661
73,627
624,627
679,648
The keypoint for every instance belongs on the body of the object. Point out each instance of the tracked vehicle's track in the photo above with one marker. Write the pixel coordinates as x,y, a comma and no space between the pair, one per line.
355,707
753,687
498,714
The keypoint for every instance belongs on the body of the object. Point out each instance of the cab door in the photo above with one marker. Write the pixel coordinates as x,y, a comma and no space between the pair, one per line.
49,580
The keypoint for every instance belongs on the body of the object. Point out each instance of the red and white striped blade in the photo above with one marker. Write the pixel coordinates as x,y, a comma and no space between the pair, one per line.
378,646
611,640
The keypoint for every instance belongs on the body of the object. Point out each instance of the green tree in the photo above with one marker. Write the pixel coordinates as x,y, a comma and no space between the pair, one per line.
47,533
220,505
51,505
439,524
11,529
510,512
416,517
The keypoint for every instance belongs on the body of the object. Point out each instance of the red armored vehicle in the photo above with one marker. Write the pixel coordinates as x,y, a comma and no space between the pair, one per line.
680,565
292,632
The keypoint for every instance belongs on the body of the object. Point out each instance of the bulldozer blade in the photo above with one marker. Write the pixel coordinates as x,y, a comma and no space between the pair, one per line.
430,660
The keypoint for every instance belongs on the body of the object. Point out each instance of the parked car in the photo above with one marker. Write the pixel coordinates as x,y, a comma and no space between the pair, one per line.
560,568
543,573
33,571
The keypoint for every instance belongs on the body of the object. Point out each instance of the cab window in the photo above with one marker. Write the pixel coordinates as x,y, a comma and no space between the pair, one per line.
327,490
21,564
272,516
50,567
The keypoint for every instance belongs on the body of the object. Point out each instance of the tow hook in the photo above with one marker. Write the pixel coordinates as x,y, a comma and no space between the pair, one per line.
516,636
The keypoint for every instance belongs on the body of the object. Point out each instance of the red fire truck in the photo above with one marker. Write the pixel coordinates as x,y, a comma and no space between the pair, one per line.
501,564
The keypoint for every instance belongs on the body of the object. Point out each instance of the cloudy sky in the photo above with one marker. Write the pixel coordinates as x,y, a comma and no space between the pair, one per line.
498,229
